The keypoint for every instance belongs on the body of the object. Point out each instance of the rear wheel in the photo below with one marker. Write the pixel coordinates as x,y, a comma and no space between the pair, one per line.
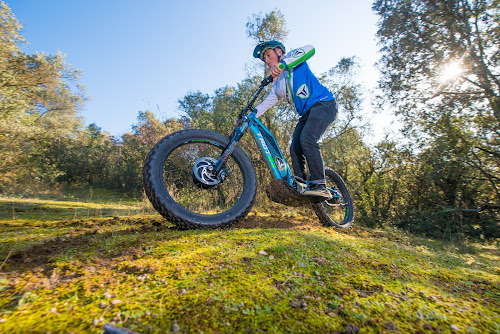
180,183
337,211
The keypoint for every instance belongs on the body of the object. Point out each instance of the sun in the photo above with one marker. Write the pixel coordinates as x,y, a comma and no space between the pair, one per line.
451,71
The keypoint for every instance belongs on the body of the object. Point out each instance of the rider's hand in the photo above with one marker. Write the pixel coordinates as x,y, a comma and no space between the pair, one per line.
276,70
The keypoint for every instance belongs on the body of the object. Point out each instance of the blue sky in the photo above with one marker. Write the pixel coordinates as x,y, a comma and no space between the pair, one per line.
146,55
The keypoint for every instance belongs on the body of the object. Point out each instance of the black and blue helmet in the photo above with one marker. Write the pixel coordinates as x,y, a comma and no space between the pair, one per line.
261,48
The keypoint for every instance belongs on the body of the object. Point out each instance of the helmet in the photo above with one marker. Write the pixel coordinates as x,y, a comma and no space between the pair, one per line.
261,48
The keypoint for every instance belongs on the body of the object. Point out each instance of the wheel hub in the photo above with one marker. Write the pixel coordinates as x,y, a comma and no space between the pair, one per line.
203,173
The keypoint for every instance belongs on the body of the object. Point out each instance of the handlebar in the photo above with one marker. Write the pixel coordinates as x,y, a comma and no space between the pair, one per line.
270,78
263,84
266,81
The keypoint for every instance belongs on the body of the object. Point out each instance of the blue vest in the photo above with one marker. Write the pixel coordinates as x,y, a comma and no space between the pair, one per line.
307,90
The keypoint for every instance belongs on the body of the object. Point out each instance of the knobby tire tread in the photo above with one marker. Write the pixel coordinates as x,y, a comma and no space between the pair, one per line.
153,189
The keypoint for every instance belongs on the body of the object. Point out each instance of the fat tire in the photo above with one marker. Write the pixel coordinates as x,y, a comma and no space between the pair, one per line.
320,211
175,213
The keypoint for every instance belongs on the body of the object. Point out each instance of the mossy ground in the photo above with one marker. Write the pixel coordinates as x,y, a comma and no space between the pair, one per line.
69,266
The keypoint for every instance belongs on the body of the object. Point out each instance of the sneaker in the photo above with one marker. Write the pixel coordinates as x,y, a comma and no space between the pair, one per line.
318,191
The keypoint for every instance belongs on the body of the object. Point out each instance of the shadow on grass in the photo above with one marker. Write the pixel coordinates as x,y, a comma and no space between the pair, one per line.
89,235
48,210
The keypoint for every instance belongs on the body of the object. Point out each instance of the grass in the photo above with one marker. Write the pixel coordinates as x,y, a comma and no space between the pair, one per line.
70,265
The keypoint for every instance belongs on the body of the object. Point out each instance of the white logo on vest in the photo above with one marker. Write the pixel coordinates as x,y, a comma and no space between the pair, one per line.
298,53
303,92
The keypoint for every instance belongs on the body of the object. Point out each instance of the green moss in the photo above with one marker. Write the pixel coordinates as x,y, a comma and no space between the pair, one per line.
74,275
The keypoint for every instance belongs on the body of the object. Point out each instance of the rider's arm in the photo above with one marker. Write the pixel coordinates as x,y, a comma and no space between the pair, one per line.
298,56
268,102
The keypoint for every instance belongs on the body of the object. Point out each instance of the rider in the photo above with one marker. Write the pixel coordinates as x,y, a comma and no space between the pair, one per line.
315,105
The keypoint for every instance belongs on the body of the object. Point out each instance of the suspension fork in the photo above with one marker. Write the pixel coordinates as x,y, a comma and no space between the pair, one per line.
238,132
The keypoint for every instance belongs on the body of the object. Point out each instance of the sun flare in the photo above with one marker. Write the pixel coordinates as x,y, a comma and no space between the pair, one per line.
451,71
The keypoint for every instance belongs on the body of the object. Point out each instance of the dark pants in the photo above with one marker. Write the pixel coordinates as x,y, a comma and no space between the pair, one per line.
311,126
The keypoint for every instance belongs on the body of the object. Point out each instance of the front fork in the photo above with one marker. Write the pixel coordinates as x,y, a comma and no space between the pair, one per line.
237,133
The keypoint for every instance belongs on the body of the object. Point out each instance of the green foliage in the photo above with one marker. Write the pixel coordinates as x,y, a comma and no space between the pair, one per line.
452,121
417,46
196,106
341,81
267,27
38,104
100,160
86,160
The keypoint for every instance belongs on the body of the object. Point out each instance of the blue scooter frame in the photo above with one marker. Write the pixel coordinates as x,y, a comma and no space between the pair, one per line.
266,143
270,149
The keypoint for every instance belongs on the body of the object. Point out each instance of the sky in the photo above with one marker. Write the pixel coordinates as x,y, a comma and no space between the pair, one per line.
138,55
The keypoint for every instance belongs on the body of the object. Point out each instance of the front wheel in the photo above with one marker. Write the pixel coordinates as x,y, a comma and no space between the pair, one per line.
180,183
337,211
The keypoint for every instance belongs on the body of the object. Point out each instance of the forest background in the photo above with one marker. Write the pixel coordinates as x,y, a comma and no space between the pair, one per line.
439,74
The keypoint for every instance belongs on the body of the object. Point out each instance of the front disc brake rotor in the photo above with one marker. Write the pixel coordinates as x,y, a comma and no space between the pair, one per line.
203,172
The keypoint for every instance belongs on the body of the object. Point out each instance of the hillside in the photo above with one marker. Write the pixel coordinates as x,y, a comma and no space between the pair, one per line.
71,266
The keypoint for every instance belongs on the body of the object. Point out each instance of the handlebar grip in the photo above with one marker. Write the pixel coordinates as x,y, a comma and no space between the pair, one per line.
270,78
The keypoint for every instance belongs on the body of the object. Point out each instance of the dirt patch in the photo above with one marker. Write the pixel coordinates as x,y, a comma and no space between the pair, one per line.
278,220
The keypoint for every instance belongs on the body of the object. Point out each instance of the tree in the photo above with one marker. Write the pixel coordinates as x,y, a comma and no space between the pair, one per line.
441,74
196,107
266,27
90,159
261,28
39,100
341,81
135,146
